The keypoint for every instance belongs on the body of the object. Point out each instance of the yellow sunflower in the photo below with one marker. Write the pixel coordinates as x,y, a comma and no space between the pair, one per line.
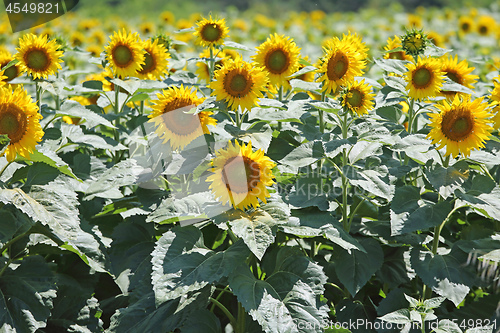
461,125
357,97
13,71
495,97
38,56
395,43
211,32
125,54
279,57
171,120
424,78
485,25
240,176
357,42
20,121
465,24
341,63
458,72
239,84
155,61
203,70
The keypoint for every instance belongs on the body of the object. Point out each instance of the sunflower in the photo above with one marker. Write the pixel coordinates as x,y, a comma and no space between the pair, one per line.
125,54
95,50
211,32
465,24
76,39
147,28
203,71
171,120
436,38
38,56
20,121
155,63
239,84
414,42
424,78
240,176
13,71
279,57
458,72
3,78
357,97
168,17
461,125
495,97
341,63
392,44
307,77
485,25
358,43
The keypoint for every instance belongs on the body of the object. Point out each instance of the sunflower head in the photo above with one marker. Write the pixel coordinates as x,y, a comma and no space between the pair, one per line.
239,84
357,97
125,53
240,176
203,70
20,121
485,25
211,32
155,60
340,64
164,40
173,122
465,24
424,78
38,56
414,42
461,125
279,57
398,53
458,72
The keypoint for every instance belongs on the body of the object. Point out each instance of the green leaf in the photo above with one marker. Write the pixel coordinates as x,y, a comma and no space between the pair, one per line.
401,316
409,214
27,289
47,156
282,303
11,224
255,229
371,181
181,263
75,135
108,184
488,204
304,155
355,269
75,109
447,326
447,180
40,173
443,273
392,65
396,82
204,321
236,46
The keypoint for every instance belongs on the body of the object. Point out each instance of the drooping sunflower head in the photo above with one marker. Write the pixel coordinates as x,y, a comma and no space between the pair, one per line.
393,44
357,97
461,125
239,84
424,78
414,42
155,60
38,56
458,72
20,121
341,63
203,70
173,122
211,32
279,57
240,176
125,53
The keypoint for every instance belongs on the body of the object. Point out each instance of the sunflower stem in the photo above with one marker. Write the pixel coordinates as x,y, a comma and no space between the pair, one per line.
141,108
38,97
228,314
117,121
211,66
280,98
241,319
238,118
345,182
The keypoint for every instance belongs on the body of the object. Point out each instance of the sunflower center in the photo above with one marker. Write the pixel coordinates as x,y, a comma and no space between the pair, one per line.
177,120
483,30
355,98
465,26
454,77
122,56
422,77
149,64
397,55
457,125
337,66
13,122
277,62
37,59
211,32
11,73
241,174
237,84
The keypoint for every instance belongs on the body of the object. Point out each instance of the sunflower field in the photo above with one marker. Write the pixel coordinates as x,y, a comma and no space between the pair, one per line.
308,172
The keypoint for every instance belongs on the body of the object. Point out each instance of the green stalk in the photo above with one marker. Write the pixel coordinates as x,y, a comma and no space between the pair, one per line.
117,121
280,98
411,115
211,66
238,118
345,182
240,326
228,314
38,97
